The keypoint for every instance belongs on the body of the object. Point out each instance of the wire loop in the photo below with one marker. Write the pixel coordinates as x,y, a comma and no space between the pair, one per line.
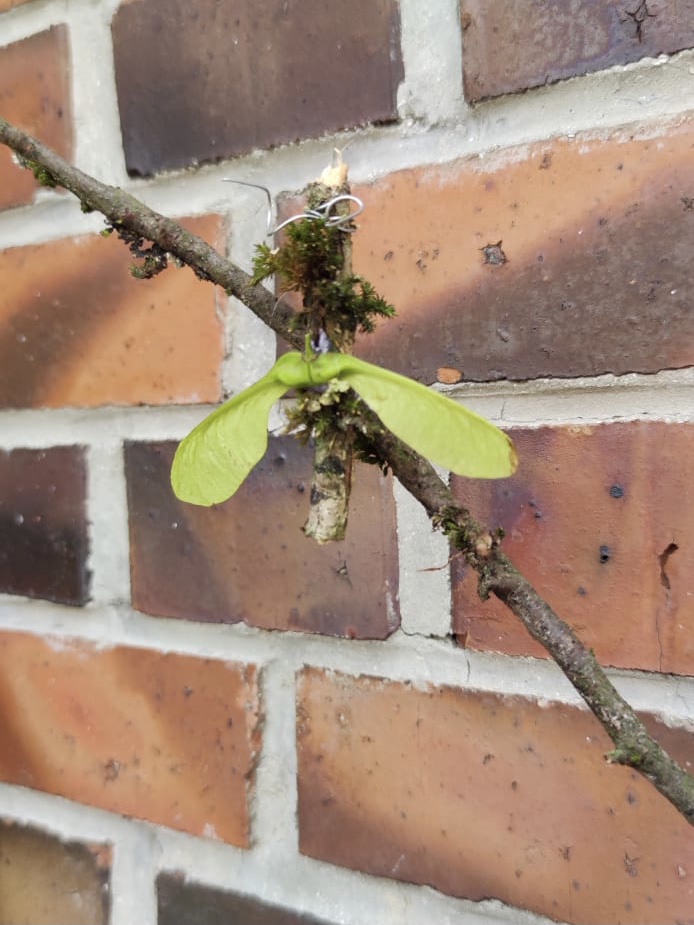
323,213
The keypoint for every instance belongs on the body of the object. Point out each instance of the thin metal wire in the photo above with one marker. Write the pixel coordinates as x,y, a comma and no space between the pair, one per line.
321,213
256,186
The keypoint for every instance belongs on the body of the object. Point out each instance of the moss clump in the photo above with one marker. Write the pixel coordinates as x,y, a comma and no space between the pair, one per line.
43,176
310,261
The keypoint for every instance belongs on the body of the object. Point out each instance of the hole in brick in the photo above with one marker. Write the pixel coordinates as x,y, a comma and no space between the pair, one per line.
663,561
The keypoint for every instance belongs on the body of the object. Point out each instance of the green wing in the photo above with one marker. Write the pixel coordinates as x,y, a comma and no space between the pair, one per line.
214,459
433,425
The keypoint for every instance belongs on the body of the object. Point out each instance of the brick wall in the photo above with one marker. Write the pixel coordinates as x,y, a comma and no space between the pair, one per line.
206,718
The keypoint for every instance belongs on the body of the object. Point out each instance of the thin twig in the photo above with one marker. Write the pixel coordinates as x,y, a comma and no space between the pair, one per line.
123,211
633,746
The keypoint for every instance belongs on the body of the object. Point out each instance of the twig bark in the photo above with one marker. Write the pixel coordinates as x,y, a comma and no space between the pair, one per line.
497,575
633,746
123,211
331,483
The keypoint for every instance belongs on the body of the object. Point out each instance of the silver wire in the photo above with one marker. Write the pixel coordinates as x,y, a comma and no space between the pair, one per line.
256,186
321,213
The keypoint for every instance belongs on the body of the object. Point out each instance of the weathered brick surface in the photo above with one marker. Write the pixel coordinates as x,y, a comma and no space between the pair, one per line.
203,81
35,95
522,43
44,880
182,903
480,795
77,329
565,258
43,524
248,560
167,738
600,520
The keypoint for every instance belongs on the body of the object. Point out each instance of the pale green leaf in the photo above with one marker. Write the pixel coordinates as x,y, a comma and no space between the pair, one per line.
435,426
214,459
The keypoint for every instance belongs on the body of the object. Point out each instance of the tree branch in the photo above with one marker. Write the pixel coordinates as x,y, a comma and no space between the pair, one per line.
633,746
497,575
125,212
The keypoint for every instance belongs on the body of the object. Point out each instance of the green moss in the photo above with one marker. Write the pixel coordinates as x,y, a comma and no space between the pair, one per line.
310,261
152,264
627,756
43,176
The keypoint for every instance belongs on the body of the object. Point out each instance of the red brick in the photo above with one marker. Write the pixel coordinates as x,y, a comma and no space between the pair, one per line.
184,903
77,329
43,524
35,95
600,520
483,796
248,560
202,81
43,879
521,43
167,738
597,272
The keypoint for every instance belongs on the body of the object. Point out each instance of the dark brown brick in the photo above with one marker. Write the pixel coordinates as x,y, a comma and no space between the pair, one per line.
43,524
204,80
247,559
35,95
76,328
44,880
566,258
601,521
480,795
169,738
182,903
522,43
